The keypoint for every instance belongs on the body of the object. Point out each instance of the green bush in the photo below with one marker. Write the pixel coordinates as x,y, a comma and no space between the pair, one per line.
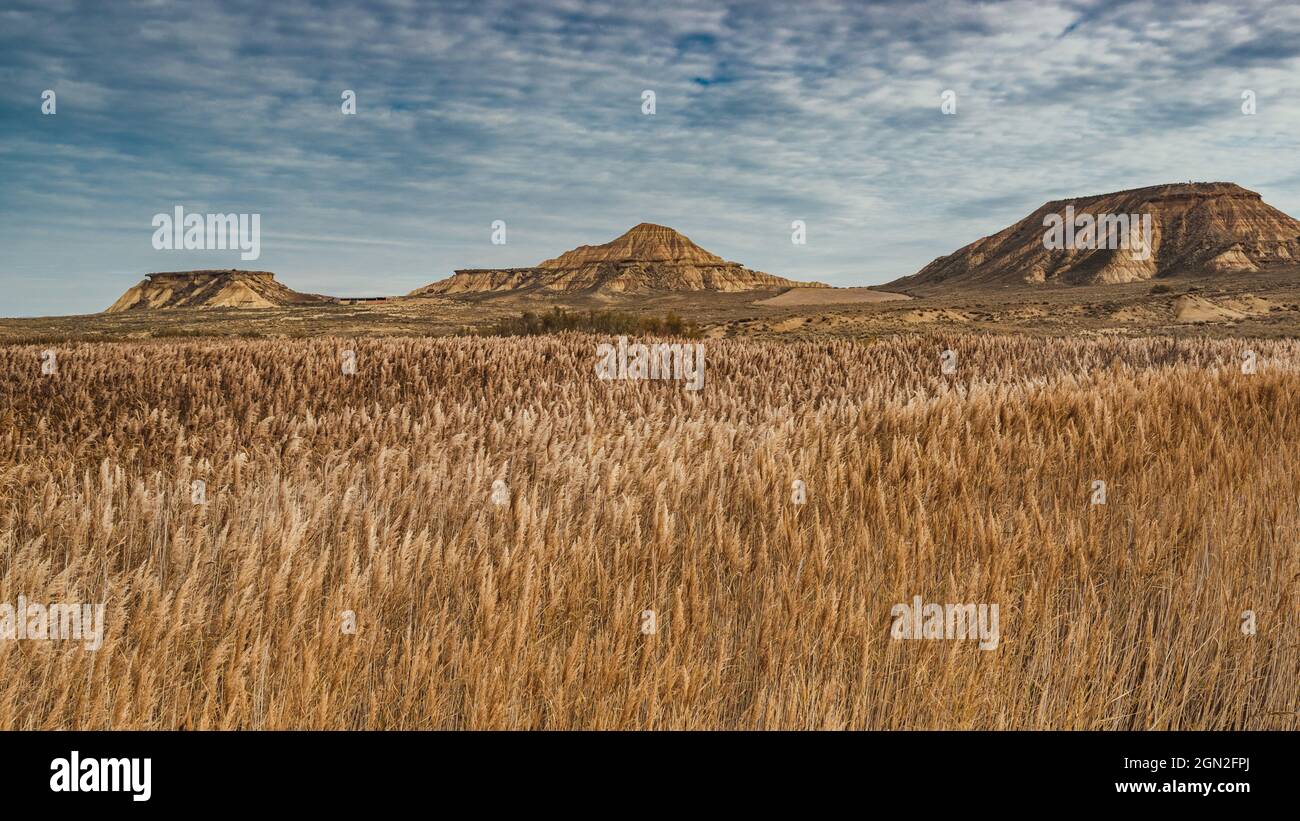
558,320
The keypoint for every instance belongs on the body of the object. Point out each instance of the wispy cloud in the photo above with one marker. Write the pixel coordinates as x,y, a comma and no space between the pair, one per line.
469,112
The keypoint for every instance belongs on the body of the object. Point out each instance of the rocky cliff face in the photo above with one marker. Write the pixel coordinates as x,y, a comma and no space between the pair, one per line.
1214,227
211,289
646,258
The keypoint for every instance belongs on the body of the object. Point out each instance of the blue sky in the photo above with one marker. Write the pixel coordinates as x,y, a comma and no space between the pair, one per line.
530,112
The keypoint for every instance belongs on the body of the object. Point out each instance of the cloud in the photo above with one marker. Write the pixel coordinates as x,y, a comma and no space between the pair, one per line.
531,112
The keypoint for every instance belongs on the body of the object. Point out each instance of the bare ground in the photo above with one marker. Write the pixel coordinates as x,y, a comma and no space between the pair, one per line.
1253,305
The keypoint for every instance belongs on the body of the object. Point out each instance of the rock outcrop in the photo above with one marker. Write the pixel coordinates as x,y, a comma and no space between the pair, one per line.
646,258
211,289
1211,227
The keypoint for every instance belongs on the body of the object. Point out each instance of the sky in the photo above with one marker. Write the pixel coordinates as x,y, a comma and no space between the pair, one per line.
532,113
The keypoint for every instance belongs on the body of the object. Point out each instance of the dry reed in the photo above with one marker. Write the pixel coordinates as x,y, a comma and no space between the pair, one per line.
371,493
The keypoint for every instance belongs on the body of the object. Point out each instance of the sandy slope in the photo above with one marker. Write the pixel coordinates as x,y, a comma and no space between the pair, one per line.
829,296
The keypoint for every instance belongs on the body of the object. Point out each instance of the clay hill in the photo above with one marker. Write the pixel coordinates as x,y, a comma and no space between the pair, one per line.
646,258
1196,228
212,289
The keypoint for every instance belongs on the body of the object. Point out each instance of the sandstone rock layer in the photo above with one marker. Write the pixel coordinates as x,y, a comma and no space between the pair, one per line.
1208,227
211,289
647,258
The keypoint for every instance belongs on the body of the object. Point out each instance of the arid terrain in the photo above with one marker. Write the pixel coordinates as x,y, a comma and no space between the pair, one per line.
1264,304
1204,259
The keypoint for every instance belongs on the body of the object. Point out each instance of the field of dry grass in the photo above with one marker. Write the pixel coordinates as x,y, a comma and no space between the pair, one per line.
372,493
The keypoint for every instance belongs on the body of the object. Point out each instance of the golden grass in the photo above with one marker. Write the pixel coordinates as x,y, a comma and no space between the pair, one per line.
371,493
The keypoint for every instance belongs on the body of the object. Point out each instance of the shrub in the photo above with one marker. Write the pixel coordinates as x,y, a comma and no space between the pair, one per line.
559,320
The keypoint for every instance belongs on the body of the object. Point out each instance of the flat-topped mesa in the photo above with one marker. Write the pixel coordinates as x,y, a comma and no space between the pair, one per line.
648,257
1169,192
211,288
1194,228
207,273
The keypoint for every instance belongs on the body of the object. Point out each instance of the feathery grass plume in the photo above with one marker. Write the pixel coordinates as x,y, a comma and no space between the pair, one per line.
370,493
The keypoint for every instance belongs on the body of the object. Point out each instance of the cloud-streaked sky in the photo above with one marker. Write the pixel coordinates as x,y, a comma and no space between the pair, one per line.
531,113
